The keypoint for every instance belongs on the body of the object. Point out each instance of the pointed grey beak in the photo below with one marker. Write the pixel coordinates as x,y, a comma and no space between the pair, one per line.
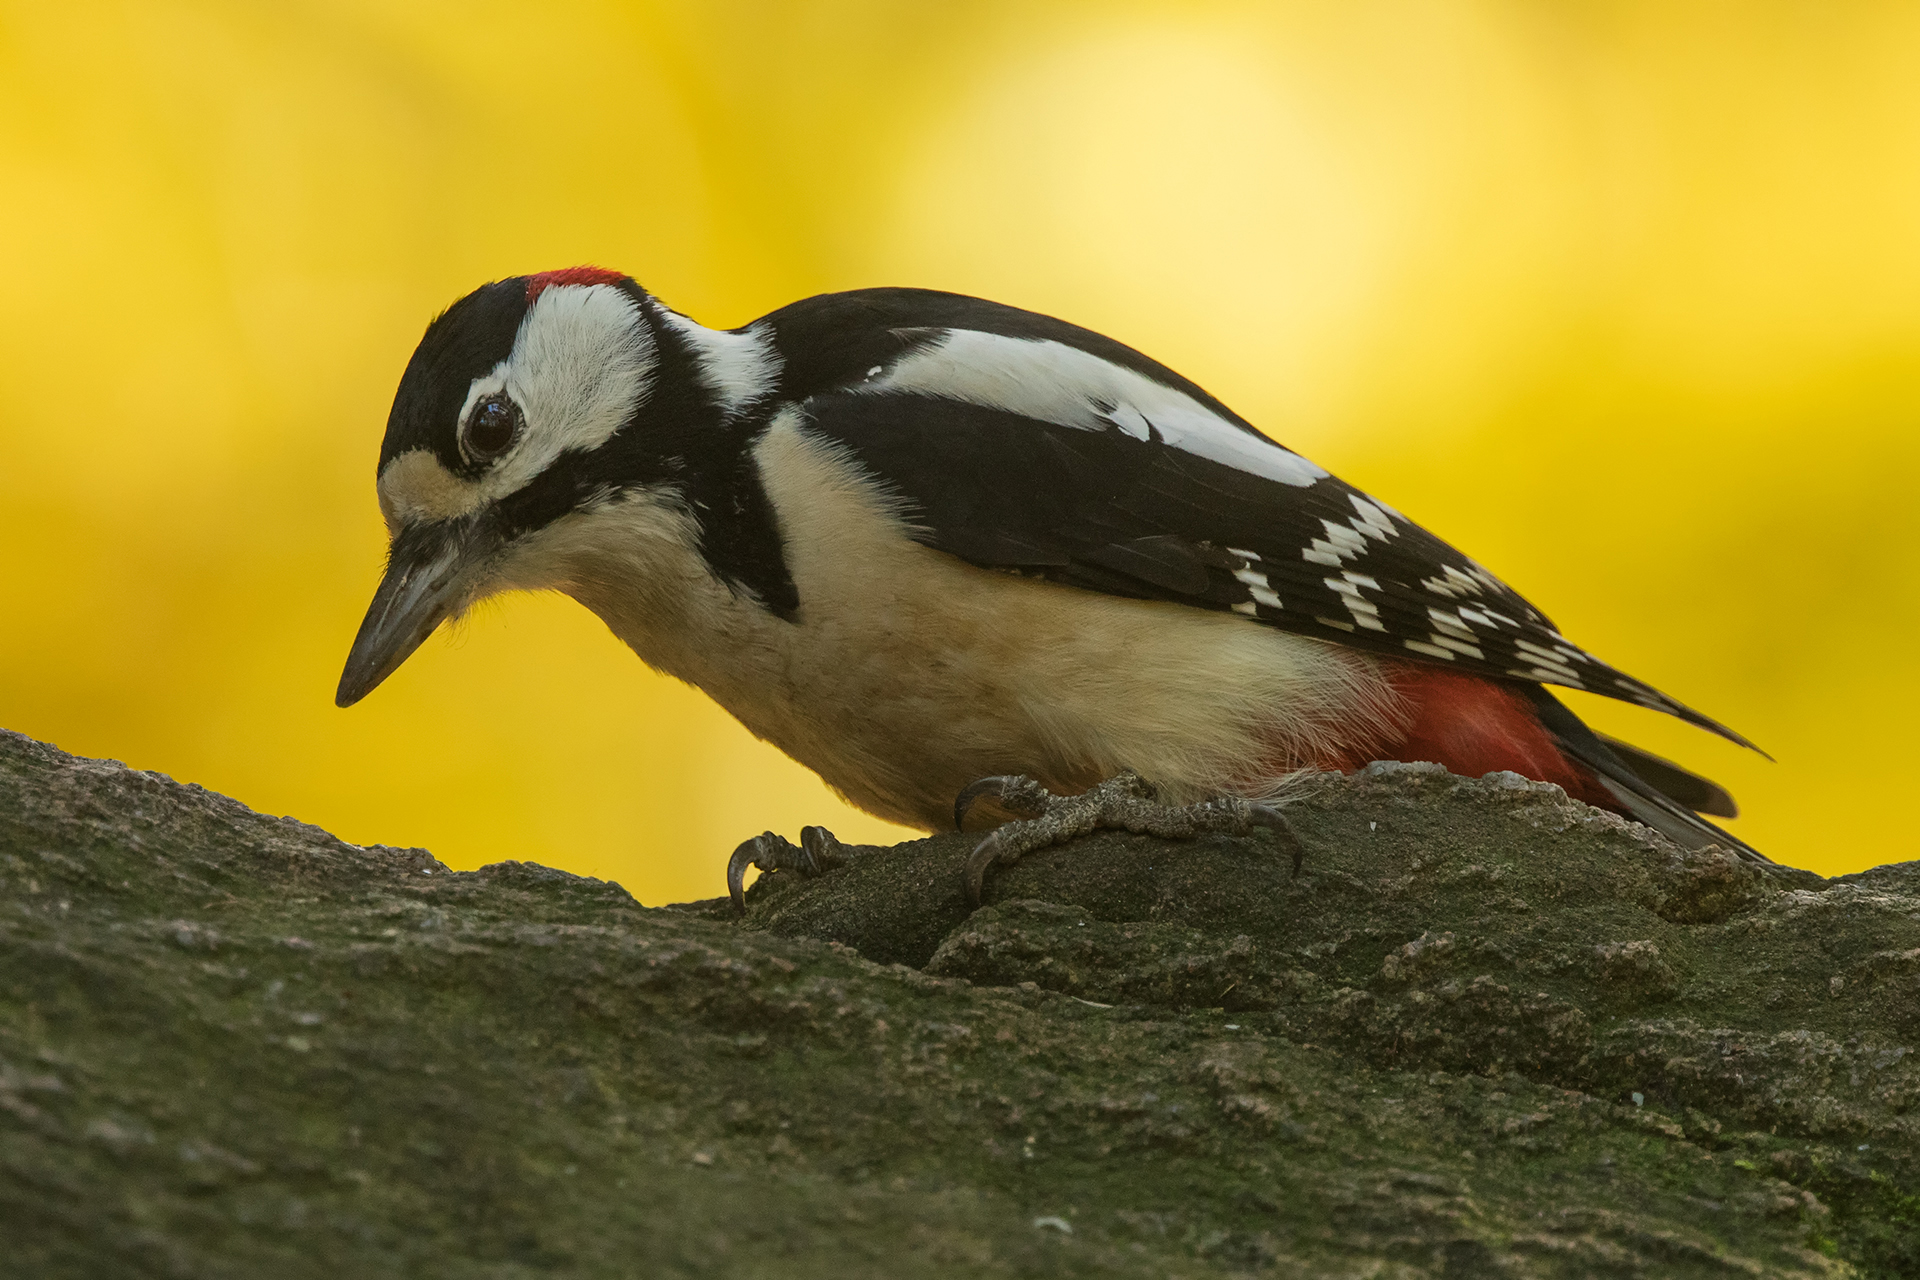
427,574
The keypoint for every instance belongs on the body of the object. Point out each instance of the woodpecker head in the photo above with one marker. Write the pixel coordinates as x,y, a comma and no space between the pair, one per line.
528,400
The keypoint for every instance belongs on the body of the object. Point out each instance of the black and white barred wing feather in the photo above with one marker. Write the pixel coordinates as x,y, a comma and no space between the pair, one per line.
1026,444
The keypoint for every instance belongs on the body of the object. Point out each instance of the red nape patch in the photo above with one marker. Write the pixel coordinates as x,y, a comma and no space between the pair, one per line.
537,285
1475,726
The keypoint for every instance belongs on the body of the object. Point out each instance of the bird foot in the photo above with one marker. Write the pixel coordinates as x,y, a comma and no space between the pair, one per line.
818,851
1125,802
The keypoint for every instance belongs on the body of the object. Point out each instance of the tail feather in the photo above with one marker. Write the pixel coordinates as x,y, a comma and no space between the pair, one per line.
1682,786
1650,790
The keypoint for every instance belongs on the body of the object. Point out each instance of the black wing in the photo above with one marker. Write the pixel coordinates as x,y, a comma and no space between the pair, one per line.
1024,444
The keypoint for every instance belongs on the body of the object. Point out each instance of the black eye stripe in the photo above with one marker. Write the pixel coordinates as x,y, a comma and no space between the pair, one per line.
492,427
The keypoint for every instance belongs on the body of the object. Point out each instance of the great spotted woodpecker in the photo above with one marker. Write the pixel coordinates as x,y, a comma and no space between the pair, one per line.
917,540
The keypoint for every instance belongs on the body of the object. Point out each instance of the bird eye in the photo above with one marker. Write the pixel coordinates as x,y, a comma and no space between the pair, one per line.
491,428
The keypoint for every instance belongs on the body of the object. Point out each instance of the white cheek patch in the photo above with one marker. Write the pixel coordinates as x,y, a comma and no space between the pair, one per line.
414,487
1053,382
581,365
737,368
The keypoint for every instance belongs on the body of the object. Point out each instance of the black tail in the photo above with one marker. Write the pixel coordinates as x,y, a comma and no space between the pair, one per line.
1680,785
1656,792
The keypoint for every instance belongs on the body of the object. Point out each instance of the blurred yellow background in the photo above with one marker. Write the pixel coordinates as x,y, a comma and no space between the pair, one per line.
1623,299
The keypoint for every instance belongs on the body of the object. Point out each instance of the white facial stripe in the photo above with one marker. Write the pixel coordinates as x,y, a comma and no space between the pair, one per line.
738,368
1056,383
581,364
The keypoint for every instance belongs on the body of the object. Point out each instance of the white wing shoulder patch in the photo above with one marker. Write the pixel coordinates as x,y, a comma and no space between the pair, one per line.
989,473
1053,382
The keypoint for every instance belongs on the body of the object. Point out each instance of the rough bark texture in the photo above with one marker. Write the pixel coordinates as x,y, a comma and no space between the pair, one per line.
1485,1032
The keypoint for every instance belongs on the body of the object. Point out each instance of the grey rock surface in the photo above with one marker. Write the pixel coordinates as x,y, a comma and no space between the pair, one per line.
1486,1031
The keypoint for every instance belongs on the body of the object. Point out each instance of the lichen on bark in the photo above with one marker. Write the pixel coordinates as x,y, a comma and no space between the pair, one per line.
1485,1031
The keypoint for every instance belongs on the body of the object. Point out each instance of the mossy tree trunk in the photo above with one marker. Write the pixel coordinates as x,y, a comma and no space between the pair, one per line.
1484,1032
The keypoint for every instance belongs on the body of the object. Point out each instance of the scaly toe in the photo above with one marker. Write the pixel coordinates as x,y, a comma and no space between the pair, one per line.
819,850
1063,818
823,851
1124,802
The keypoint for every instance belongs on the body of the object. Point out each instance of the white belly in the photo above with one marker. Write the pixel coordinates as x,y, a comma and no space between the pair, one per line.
909,673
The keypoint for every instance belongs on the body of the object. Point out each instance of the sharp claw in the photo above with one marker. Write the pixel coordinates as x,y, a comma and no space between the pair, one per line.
822,848
1261,815
1265,815
992,786
1021,793
747,855
984,855
819,851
